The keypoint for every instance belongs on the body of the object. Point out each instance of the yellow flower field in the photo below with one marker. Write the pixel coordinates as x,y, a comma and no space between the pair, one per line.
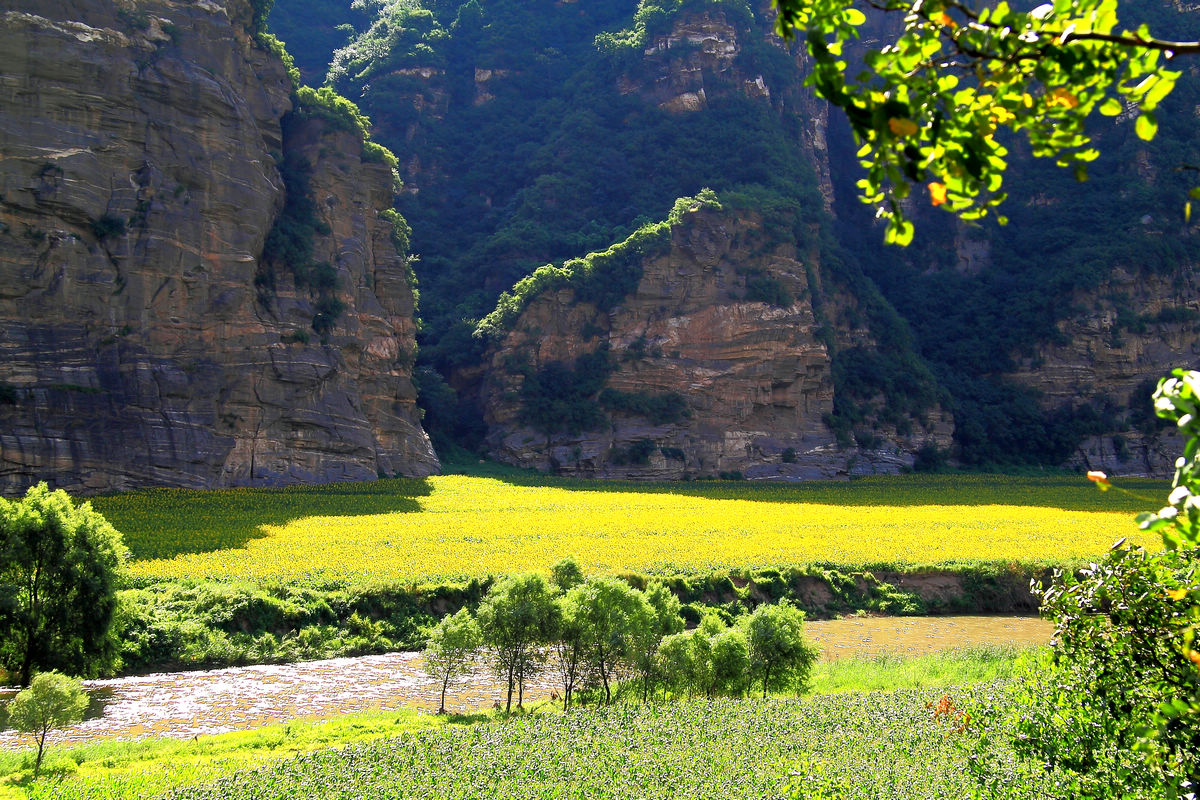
457,526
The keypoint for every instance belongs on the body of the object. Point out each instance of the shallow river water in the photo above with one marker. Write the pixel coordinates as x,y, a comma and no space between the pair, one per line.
187,704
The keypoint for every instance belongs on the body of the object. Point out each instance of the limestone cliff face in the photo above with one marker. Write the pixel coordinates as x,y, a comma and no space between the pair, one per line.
701,379
139,145
1127,333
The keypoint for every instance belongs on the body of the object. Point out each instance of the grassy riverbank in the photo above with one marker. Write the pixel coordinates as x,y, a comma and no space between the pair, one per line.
250,576
150,768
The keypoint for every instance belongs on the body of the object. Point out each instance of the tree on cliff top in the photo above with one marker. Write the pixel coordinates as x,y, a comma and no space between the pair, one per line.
59,567
928,107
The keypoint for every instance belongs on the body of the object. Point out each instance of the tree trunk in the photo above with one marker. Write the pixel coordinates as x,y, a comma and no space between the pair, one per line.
604,678
26,664
37,765
522,664
442,704
766,679
511,665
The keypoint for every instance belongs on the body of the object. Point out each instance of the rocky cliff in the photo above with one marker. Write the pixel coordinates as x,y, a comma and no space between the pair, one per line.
530,133
718,362
1123,336
141,146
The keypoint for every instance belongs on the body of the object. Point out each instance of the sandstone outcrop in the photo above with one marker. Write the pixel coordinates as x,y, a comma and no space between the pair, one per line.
701,378
1126,334
139,178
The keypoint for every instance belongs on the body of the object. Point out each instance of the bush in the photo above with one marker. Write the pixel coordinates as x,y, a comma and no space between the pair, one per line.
108,227
1116,705
659,409
636,454
931,458
768,289
59,568
558,398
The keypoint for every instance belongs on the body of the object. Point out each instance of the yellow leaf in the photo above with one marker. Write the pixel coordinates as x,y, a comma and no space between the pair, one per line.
1177,594
902,127
1061,97
1001,115
937,193
946,20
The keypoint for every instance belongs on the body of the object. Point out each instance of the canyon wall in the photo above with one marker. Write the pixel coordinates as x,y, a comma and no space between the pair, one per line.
140,153
718,362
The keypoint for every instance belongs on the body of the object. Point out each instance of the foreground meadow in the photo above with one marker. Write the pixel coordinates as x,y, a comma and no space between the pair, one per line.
462,526
226,764
877,745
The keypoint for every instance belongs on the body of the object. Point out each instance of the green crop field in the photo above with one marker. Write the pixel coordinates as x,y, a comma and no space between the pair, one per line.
877,745
461,526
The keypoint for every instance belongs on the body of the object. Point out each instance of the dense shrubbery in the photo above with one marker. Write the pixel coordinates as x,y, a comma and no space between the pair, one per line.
603,278
1114,707
659,409
557,398
195,624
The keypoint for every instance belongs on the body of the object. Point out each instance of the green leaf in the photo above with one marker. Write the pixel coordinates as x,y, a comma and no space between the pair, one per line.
1146,126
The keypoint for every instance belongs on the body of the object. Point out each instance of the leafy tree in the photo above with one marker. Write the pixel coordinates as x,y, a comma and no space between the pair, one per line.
52,701
451,650
928,107
608,612
569,646
663,620
730,663
566,574
516,618
59,569
779,654
675,662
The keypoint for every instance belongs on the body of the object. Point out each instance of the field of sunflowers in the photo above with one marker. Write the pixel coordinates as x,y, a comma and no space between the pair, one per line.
461,526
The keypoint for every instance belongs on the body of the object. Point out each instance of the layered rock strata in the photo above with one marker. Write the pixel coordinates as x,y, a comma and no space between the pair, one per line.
701,380
1126,334
139,178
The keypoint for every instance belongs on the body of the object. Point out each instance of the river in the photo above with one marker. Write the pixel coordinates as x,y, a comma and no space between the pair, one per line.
187,704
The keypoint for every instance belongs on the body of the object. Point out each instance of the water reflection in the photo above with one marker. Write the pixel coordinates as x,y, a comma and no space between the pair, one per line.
187,704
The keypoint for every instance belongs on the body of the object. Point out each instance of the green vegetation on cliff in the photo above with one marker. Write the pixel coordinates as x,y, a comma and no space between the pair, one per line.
534,132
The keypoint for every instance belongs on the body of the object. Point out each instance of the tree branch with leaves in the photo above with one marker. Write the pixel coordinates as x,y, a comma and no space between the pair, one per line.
929,109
